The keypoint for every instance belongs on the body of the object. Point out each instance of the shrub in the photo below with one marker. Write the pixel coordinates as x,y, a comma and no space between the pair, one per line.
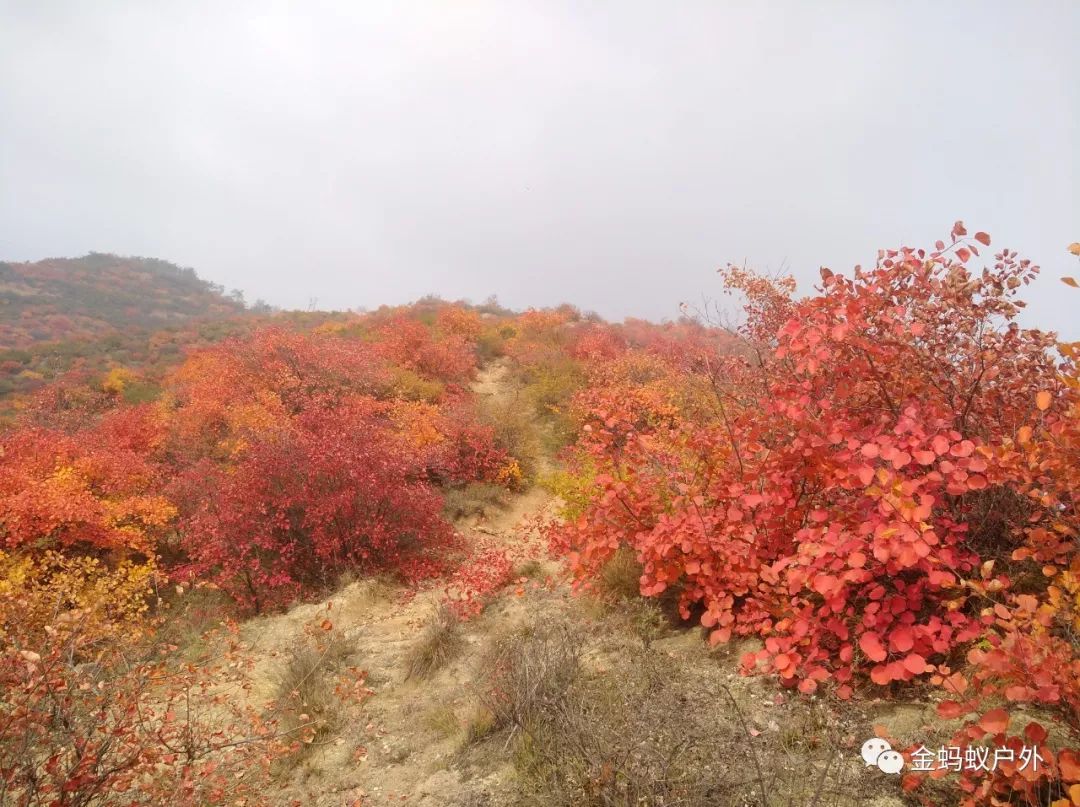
339,492
525,678
827,501
100,716
513,431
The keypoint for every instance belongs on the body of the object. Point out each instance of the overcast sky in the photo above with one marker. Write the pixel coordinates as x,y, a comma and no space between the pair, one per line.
607,154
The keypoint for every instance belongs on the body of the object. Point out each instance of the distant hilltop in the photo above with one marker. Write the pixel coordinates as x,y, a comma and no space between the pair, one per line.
61,299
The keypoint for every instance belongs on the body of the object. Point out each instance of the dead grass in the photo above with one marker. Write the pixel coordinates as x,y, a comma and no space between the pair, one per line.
475,499
533,569
439,642
618,589
650,731
480,725
310,707
621,575
442,721
525,677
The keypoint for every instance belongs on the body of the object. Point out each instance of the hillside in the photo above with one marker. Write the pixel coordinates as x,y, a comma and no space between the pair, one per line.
459,556
83,298
89,315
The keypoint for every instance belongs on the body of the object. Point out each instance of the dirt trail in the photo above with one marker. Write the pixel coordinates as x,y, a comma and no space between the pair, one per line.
403,745
397,747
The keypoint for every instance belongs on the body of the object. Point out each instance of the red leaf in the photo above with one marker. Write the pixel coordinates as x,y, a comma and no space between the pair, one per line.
881,674
995,721
1018,692
950,710
873,648
901,640
1035,732
825,584
915,664
1069,765
982,238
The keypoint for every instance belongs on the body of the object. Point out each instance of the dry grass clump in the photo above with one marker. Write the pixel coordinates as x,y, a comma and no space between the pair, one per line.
525,678
440,641
624,739
650,732
532,569
474,499
619,585
306,693
442,721
480,725
620,577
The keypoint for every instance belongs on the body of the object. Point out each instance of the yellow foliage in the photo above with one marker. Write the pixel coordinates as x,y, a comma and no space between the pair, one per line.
418,423
332,327
574,490
43,593
461,321
414,387
1064,598
117,380
510,475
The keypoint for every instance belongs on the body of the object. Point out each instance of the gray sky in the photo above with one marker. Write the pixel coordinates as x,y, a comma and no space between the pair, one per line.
608,154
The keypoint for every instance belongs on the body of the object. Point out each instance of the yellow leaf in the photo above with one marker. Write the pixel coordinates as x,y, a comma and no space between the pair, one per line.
1074,247
1070,281
1042,400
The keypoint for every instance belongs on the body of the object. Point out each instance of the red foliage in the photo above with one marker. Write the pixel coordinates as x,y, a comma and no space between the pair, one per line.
92,492
338,490
475,580
412,344
829,490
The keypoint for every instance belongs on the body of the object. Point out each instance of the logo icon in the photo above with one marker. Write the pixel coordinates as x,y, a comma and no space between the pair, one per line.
877,751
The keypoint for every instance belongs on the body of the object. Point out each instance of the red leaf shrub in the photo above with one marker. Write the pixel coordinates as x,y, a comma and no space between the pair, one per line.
339,490
829,485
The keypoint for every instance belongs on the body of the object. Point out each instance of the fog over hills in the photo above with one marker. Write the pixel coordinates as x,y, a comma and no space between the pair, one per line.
611,156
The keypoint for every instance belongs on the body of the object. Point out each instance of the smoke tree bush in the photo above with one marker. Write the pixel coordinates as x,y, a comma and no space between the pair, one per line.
877,477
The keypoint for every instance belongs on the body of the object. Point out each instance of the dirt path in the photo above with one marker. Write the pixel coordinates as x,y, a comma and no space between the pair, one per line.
403,745
397,748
